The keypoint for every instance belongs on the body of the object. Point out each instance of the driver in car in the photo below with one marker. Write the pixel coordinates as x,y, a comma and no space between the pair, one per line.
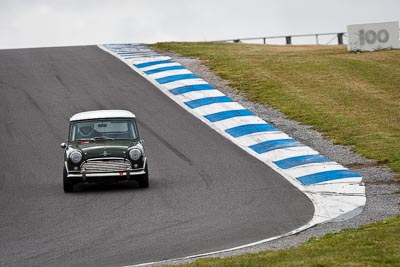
86,130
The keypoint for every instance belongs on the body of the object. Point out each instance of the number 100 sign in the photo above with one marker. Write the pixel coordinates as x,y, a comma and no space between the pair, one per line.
374,36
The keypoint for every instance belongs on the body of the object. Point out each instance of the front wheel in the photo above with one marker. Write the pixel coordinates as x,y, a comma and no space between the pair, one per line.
143,180
67,184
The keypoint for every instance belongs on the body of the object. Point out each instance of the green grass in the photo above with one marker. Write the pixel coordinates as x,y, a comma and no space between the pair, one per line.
353,98
372,245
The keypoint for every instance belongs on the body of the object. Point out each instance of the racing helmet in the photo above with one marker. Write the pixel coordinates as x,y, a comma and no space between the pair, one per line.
86,129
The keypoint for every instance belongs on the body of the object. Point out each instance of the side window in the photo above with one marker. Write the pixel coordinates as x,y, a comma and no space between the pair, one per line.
72,132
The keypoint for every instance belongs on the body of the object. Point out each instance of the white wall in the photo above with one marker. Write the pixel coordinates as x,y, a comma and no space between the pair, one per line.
374,36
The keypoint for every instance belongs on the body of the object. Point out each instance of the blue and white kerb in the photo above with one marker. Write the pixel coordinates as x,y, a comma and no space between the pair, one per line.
337,193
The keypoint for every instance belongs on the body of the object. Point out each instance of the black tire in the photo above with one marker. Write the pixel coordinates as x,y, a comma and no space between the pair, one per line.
67,184
143,180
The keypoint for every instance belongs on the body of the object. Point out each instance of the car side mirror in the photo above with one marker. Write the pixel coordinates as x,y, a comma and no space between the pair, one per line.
142,141
63,145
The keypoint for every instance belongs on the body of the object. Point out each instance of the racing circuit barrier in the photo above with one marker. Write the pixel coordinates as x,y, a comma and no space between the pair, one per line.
317,38
339,36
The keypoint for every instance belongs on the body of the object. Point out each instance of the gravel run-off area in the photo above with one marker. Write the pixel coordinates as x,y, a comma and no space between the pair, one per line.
382,189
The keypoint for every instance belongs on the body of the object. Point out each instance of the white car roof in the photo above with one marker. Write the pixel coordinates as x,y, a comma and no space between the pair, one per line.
102,114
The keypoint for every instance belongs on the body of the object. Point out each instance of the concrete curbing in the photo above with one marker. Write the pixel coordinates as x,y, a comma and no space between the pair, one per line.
337,193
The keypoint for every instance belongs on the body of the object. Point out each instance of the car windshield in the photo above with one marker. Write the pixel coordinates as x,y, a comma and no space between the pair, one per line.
104,129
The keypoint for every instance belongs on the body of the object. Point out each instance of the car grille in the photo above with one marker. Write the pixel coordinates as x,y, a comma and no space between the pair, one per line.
106,165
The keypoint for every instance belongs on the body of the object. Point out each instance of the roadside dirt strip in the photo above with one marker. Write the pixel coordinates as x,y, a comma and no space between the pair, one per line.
336,192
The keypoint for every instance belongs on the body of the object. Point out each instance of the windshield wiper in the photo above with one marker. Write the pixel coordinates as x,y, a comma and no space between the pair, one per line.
101,138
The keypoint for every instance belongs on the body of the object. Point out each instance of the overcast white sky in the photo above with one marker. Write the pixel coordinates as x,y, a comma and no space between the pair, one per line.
36,23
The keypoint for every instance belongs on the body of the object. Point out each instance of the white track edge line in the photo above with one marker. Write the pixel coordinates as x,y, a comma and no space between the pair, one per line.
318,216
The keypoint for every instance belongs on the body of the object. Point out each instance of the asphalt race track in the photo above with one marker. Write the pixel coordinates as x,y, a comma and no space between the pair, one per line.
205,193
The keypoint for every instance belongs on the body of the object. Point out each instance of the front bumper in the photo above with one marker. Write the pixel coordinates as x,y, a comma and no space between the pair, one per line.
106,174
94,176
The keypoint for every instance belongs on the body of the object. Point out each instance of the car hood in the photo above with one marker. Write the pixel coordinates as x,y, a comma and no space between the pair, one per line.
105,148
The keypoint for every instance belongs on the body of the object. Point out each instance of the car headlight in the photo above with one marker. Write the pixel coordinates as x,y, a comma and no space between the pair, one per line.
75,156
135,153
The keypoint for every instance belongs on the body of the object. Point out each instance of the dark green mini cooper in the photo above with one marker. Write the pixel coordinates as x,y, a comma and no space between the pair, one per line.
104,146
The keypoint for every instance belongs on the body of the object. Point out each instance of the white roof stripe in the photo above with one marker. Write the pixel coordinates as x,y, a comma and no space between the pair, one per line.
102,114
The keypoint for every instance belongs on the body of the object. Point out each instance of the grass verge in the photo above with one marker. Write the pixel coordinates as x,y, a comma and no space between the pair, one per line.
353,98
376,244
